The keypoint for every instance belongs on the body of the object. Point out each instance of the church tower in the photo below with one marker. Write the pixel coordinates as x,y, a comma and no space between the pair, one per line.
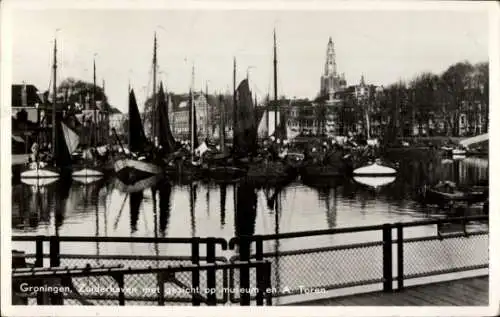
330,65
330,80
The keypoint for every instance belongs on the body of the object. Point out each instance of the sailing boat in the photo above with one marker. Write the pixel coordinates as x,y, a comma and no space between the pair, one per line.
266,171
64,142
137,164
166,141
222,167
190,165
91,170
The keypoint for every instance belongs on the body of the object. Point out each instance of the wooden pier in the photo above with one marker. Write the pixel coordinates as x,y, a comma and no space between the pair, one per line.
462,292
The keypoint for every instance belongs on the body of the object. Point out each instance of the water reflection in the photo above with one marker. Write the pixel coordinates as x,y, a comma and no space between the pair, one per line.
223,193
165,192
226,210
246,210
135,201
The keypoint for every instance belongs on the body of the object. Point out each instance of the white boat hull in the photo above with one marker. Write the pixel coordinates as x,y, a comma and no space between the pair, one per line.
39,173
39,182
88,179
374,170
87,172
375,181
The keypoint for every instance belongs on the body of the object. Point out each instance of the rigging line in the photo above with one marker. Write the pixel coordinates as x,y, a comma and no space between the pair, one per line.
120,212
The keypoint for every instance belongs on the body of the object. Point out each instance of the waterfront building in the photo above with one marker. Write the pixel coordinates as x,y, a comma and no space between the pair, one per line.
179,115
26,97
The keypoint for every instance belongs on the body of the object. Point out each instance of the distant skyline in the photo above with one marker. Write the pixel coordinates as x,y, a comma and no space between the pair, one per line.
384,46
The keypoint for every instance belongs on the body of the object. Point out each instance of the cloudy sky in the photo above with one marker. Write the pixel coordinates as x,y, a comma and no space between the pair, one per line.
385,46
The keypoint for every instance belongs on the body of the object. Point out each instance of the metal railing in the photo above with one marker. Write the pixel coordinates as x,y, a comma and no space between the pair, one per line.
391,255
118,285
376,262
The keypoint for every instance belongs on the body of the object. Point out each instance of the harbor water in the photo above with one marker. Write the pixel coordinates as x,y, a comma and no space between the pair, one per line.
206,209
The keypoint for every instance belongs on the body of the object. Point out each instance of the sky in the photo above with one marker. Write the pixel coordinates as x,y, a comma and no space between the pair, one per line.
384,46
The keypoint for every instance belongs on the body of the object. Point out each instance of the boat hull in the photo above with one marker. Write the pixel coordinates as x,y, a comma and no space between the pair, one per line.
374,182
140,185
130,171
271,173
87,172
374,170
40,172
226,173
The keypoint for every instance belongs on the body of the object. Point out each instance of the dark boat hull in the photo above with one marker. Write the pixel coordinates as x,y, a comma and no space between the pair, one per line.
270,173
225,173
322,171
130,171
435,196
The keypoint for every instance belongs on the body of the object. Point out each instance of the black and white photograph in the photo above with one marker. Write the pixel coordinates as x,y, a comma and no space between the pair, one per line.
181,156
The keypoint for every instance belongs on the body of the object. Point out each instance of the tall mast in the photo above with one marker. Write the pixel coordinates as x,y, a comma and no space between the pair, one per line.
153,121
96,123
192,113
234,99
206,108
222,124
54,100
275,63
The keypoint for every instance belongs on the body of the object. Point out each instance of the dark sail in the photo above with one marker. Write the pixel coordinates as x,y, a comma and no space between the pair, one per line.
165,138
137,137
192,127
245,130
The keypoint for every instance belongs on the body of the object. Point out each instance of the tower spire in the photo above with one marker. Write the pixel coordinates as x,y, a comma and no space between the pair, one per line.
330,65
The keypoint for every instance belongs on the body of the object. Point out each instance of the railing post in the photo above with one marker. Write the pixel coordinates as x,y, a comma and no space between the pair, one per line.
244,271
267,283
195,259
260,274
400,256
54,251
161,289
56,299
39,251
39,263
387,257
121,285
211,278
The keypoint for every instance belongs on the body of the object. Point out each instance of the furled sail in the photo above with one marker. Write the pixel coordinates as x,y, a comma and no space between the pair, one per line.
165,137
137,138
245,133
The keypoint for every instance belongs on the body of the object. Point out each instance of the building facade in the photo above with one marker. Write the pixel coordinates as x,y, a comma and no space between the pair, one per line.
179,116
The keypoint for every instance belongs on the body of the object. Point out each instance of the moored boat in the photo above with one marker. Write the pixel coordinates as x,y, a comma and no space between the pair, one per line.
374,182
448,192
139,162
374,169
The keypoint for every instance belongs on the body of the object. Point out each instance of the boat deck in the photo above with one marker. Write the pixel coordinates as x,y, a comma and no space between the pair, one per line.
462,292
